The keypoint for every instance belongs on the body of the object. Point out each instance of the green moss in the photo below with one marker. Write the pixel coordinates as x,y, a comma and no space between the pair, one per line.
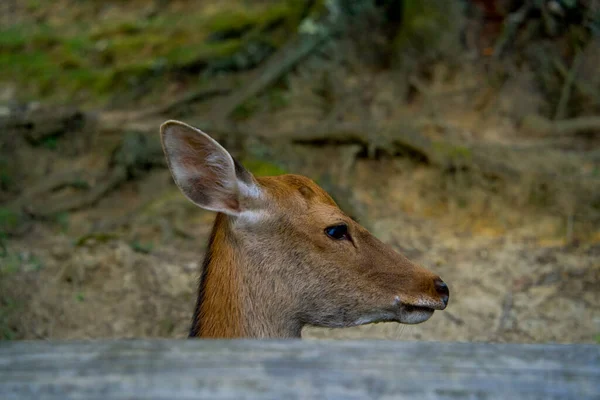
8,307
257,18
62,219
263,168
140,247
33,5
11,263
431,28
230,20
245,110
50,143
58,62
191,54
277,98
9,220
6,174
12,39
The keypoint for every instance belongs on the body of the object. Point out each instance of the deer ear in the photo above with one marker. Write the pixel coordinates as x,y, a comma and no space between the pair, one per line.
205,172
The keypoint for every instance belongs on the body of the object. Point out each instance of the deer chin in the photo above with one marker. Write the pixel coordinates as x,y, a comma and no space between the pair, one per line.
404,314
412,315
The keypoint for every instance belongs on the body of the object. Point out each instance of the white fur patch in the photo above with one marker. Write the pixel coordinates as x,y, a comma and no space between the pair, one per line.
416,317
369,318
252,216
249,191
363,321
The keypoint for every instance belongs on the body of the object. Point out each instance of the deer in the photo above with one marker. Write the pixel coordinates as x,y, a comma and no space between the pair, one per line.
282,255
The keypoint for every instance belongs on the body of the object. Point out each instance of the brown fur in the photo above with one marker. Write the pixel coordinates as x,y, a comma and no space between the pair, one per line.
271,279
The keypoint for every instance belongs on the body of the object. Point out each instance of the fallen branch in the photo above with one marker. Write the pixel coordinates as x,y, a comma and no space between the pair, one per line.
140,150
549,170
188,98
392,138
511,25
565,95
39,124
117,176
135,154
539,125
45,205
579,85
277,65
52,183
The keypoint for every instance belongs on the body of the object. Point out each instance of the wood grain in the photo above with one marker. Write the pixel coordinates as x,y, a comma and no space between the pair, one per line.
244,369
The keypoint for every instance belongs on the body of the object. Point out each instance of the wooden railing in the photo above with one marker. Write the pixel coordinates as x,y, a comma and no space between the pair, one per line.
248,369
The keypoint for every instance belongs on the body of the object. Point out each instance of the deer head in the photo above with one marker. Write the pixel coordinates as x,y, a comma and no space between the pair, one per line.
282,254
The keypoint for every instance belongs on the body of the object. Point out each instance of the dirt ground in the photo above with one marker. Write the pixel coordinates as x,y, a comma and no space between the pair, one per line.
128,266
509,284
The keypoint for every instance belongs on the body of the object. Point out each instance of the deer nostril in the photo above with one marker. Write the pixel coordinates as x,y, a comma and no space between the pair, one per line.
442,289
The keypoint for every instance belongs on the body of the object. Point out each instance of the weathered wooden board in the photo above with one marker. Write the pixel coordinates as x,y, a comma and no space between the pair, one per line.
244,369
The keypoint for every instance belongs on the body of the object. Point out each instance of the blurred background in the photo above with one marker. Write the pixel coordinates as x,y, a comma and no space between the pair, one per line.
463,133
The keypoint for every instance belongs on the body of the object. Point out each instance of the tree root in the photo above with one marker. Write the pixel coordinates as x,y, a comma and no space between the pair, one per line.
201,94
30,202
52,183
39,124
538,125
277,65
565,95
512,23
550,171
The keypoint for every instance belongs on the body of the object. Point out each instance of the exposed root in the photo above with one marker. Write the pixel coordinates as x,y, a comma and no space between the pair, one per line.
538,125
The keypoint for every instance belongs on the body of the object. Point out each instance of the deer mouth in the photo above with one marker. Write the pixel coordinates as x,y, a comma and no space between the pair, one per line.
404,313
410,314
410,308
416,313
401,313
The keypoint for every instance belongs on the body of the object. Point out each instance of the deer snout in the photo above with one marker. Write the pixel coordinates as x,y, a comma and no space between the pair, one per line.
442,290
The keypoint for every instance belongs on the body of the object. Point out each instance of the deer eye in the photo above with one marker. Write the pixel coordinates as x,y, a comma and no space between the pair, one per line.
337,232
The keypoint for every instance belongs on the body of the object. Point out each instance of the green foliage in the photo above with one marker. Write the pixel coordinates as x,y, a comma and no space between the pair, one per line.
81,184
277,98
7,308
140,247
50,143
11,262
451,153
3,248
62,219
10,220
6,180
429,28
245,110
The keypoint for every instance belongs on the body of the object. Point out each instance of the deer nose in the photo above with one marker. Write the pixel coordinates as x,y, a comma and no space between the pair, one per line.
442,289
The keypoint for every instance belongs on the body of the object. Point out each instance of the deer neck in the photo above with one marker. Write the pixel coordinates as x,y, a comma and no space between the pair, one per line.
235,299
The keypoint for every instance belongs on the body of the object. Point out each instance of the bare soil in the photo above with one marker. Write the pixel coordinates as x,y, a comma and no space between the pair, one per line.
516,273
508,284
